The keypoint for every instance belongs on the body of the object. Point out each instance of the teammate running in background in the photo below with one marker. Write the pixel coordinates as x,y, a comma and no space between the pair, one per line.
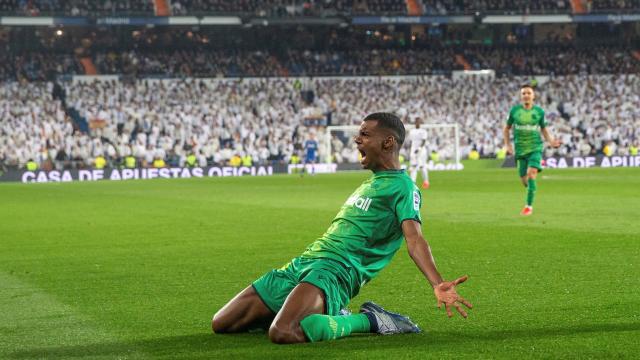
419,153
311,154
528,121
302,301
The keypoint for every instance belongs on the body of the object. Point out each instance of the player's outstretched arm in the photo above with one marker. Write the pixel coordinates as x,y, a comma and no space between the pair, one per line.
506,136
445,291
555,142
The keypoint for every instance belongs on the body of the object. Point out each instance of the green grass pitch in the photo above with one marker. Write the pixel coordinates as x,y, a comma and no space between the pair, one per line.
136,269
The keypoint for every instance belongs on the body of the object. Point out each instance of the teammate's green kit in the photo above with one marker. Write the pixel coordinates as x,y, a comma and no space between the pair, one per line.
528,142
362,239
526,136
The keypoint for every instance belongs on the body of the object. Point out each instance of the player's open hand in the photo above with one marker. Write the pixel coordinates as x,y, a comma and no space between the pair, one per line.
446,294
555,143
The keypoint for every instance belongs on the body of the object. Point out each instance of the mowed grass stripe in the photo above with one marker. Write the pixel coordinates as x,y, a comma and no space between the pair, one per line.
33,319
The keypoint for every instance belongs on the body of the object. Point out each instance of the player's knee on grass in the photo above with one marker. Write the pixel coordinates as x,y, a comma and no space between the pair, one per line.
225,323
218,324
283,334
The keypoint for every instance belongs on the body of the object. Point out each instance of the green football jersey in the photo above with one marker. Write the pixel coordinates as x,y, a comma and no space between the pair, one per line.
367,231
527,125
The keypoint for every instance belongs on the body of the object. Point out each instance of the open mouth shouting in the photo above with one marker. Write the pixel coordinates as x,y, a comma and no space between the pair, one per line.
363,155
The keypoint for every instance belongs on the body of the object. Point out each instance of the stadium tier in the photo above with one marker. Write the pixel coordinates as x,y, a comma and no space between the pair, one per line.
212,63
224,93
240,51
76,7
217,120
189,7
290,8
320,8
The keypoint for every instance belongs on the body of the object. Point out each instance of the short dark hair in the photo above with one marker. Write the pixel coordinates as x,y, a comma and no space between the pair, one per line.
389,121
527,86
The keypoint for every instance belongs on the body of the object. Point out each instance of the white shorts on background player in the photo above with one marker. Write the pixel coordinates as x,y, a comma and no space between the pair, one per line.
418,158
418,154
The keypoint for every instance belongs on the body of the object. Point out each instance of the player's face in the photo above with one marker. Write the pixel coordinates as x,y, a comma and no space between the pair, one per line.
369,142
527,95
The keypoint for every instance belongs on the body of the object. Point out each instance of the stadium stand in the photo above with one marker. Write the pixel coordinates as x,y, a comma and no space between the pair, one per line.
519,60
271,8
282,8
76,7
622,5
36,66
436,7
217,119
214,93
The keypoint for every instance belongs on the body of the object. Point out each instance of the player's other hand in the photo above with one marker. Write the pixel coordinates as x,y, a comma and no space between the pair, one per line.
509,149
555,143
446,294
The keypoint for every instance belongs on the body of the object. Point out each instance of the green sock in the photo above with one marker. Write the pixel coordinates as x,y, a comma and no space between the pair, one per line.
531,191
325,327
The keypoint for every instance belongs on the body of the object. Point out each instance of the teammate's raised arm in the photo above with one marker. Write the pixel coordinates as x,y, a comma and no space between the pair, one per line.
420,252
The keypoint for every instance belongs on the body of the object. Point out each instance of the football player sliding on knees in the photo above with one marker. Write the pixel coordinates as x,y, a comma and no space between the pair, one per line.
305,300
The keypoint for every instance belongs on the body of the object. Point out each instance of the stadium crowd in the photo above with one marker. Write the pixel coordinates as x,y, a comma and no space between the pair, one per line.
622,5
76,7
437,7
37,66
293,62
226,121
278,8
284,8
186,63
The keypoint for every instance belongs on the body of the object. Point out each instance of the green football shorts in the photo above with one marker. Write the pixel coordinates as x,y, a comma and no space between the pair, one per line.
532,159
330,276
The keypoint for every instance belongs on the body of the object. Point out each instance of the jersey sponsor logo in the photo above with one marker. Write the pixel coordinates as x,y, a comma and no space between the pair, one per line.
528,127
360,202
416,201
